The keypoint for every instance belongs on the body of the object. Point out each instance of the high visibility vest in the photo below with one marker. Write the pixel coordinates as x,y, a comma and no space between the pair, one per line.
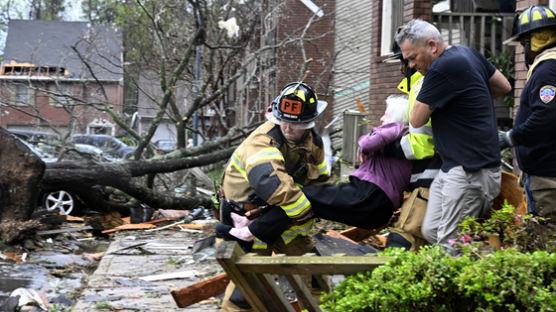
418,143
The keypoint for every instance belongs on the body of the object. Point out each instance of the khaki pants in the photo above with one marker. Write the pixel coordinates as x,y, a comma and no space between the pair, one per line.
297,247
411,217
543,190
454,195
543,193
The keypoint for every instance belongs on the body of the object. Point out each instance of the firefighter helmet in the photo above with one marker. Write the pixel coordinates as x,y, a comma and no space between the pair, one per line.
533,18
297,103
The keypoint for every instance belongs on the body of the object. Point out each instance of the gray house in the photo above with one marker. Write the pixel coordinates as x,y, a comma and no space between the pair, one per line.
61,74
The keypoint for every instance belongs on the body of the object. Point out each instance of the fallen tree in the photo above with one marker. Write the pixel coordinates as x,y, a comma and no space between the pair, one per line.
24,175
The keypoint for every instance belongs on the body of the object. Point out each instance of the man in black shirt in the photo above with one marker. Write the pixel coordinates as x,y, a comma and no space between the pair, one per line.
457,94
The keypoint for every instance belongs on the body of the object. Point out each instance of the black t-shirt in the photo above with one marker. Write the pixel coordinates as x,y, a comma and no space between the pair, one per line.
463,122
534,130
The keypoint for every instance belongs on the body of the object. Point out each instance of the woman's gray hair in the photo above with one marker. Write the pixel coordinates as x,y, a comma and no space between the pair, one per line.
418,31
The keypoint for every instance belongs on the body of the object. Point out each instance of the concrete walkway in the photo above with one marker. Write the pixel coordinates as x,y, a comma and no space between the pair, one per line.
140,268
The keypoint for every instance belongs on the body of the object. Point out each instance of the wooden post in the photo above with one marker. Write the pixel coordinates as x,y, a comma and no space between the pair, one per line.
303,294
252,288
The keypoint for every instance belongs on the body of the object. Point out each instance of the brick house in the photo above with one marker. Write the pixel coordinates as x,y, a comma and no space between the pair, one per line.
58,76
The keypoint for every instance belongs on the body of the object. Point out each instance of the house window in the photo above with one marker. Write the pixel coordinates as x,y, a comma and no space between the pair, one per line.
392,18
22,95
61,94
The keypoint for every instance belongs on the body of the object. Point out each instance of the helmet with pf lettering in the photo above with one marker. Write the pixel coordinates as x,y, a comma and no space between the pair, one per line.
297,103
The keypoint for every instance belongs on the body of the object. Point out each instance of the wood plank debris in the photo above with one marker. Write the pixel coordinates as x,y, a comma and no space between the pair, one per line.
65,230
130,226
202,290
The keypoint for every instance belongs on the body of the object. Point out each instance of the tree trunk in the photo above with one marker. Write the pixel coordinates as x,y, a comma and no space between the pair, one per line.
20,172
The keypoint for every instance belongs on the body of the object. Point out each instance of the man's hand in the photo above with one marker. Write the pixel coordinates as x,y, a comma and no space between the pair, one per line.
505,139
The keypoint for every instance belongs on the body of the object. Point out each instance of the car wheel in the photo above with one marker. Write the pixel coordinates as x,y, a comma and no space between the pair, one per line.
61,200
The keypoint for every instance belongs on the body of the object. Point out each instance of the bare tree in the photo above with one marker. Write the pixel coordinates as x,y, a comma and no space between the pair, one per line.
189,47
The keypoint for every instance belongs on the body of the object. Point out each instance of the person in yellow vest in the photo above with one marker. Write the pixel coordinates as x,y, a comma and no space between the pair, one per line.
417,145
534,132
268,169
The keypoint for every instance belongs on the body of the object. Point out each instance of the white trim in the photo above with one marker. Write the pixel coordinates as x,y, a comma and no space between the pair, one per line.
313,7
386,31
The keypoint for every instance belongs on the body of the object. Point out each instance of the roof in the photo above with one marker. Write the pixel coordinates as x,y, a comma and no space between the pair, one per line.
49,43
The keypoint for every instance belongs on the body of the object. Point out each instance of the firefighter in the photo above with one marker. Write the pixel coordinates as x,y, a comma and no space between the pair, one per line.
417,145
268,170
534,132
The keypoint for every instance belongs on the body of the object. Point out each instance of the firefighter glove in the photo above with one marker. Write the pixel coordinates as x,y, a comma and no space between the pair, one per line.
242,233
505,139
240,221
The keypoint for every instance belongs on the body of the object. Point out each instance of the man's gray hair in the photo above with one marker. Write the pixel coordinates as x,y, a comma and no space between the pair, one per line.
418,31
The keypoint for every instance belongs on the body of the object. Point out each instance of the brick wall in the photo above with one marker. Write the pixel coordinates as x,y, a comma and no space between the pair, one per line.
385,77
294,15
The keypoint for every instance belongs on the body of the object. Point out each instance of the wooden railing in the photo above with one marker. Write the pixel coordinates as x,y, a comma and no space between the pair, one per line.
255,275
482,31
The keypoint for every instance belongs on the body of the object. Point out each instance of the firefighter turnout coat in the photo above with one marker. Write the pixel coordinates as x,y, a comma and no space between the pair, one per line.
274,169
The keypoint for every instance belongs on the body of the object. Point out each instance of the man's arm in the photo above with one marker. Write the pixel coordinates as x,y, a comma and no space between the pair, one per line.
420,114
499,85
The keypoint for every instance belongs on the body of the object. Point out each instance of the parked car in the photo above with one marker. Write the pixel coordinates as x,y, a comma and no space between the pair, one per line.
35,136
47,147
110,145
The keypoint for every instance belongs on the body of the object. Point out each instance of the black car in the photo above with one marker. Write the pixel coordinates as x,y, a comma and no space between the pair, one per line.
109,144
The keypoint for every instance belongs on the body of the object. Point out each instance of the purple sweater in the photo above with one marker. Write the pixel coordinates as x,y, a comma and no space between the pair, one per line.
390,174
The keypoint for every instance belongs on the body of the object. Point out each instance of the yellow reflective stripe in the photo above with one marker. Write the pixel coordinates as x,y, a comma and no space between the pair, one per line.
406,148
288,235
259,244
269,153
236,163
300,205
296,230
537,16
323,168
427,174
548,13
524,19
417,146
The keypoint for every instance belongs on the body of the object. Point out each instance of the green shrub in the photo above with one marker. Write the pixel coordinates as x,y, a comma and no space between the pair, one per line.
513,230
434,281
